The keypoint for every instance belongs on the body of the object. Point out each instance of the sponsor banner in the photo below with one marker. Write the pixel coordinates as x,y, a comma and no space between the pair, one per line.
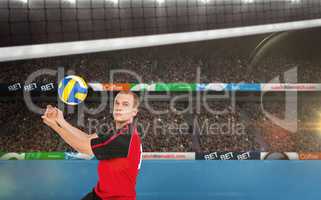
146,156
229,87
143,87
12,156
32,87
211,86
116,86
45,156
158,87
78,156
228,156
244,87
168,156
178,87
33,156
175,87
97,87
310,156
290,87
163,87
172,87
279,156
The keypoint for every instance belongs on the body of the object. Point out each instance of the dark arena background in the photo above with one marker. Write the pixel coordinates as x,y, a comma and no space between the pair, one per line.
218,80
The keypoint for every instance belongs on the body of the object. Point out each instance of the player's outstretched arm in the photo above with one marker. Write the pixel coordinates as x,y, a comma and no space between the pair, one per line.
76,138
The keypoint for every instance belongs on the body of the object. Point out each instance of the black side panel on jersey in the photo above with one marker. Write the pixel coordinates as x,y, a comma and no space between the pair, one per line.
114,147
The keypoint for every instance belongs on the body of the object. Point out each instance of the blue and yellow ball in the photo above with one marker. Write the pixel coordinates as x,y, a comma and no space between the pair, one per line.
72,90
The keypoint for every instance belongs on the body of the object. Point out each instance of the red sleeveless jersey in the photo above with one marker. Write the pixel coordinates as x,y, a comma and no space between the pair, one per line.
119,154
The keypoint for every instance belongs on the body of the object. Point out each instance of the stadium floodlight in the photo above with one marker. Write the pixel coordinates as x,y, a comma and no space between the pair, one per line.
295,1
113,1
248,1
205,1
71,1
160,1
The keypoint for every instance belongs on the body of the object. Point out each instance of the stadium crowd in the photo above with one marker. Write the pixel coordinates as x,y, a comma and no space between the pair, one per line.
244,128
241,128
178,63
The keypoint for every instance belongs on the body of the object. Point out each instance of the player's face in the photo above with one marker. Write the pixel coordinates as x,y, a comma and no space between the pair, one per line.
124,109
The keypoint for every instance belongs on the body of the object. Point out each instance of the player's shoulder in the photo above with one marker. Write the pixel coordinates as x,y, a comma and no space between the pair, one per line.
137,131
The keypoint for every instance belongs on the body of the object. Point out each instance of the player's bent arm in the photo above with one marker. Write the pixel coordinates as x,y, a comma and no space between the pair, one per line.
65,125
85,148
77,139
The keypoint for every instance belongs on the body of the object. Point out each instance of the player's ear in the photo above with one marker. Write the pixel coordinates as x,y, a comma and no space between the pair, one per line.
135,111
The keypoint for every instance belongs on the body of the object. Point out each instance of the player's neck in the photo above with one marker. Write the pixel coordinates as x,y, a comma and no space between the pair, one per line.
120,125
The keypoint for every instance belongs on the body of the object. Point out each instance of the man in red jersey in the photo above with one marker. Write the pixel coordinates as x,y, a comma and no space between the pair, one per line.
119,151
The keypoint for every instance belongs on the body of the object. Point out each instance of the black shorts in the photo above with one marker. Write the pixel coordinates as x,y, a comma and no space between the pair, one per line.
91,196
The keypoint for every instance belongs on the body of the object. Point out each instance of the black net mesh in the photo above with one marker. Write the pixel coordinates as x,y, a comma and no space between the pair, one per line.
44,21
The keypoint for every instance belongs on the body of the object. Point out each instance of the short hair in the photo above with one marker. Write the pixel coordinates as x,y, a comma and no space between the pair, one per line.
134,95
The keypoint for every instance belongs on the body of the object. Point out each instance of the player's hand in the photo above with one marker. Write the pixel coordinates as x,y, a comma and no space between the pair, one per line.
50,116
51,112
60,116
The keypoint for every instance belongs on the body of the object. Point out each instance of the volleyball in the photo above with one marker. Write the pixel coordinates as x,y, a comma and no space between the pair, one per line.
72,90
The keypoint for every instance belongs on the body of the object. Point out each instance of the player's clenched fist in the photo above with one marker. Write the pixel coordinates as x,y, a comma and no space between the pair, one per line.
50,116
60,116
